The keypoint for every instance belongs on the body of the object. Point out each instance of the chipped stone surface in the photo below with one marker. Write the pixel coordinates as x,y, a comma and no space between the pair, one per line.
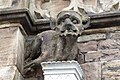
115,35
109,44
110,54
91,37
10,73
11,47
102,55
111,70
88,46
92,71
93,56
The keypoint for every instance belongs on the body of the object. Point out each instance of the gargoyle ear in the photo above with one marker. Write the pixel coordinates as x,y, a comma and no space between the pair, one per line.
85,18
85,21
52,23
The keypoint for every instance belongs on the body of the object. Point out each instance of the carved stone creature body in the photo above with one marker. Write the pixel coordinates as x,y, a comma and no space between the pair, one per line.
58,44
53,47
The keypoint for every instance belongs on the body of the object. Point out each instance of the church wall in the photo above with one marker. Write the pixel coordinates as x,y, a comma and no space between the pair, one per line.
99,49
101,54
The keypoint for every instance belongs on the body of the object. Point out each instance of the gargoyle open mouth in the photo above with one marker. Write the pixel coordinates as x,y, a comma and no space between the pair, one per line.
70,23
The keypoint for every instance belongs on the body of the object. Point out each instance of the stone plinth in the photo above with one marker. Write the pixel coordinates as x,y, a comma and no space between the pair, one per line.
67,70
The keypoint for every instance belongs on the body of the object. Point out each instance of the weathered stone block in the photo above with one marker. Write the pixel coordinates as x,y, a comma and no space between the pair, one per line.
92,71
88,46
11,46
109,44
115,35
10,73
102,55
93,56
91,37
111,70
111,78
19,4
110,54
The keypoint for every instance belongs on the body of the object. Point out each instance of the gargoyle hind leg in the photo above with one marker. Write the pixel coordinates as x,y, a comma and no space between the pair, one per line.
34,50
36,61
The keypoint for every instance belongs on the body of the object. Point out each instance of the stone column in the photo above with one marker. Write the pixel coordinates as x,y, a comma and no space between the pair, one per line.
11,52
66,70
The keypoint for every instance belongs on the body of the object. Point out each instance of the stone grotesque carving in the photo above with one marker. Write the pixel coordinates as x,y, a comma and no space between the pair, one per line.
60,43
10,4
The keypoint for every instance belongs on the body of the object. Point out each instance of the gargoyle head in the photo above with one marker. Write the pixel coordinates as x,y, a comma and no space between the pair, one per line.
71,23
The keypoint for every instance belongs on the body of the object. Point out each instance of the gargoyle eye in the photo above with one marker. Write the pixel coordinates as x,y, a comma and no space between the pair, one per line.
75,21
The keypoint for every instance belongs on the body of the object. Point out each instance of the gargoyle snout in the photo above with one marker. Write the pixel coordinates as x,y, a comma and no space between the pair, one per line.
69,26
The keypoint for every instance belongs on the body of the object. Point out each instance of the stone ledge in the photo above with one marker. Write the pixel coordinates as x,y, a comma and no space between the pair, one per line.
12,25
34,26
91,37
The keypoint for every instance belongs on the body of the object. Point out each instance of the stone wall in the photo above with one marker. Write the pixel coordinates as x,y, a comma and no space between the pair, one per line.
12,52
101,55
